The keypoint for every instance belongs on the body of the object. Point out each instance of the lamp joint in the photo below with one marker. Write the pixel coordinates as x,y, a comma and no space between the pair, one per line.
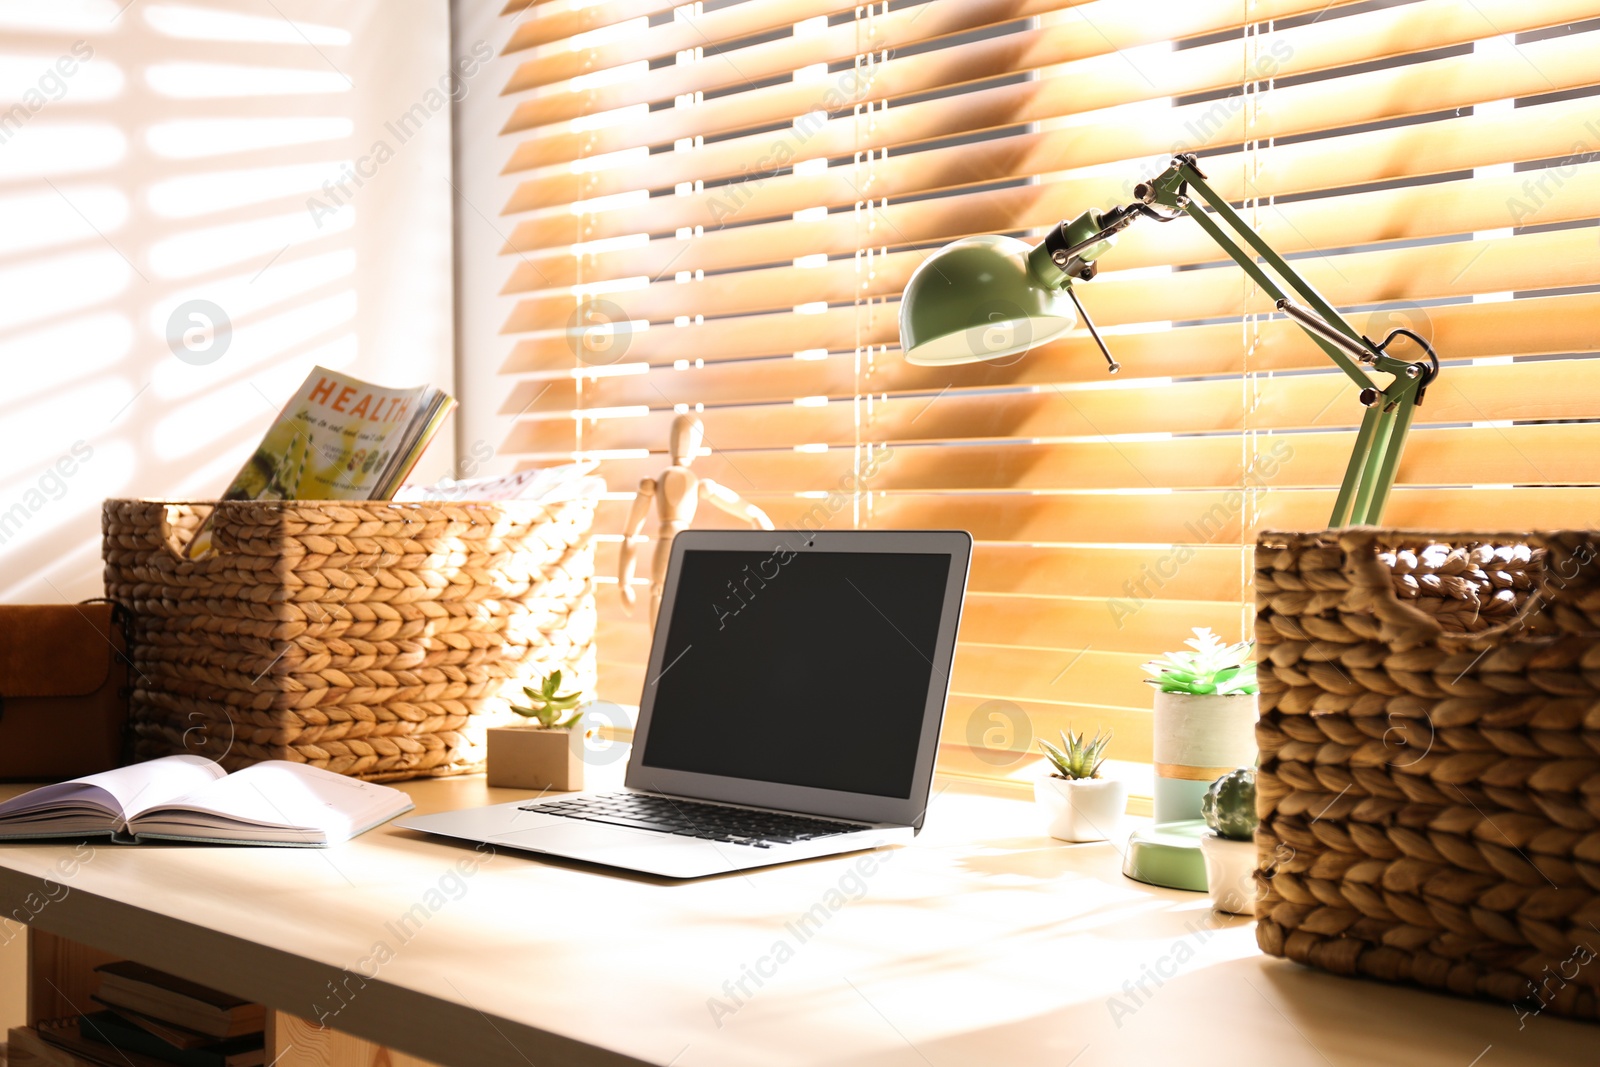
1190,160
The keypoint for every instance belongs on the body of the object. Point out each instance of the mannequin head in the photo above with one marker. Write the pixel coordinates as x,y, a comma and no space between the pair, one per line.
687,433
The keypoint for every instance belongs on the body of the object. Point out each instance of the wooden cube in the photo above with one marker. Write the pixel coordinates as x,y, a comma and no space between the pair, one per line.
530,757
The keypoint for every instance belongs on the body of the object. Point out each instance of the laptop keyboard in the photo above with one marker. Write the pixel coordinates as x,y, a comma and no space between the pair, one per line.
688,818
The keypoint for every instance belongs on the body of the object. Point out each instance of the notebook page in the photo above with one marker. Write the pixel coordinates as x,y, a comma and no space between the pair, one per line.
122,791
278,794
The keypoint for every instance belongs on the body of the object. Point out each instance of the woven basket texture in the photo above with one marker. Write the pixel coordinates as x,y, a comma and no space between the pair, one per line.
1429,788
374,639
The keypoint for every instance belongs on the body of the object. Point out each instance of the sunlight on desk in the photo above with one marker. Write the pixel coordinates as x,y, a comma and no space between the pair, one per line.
982,943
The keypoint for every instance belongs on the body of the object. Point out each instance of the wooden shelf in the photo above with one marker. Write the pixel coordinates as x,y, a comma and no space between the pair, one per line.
61,978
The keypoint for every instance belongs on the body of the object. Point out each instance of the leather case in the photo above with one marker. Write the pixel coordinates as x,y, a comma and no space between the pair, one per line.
63,689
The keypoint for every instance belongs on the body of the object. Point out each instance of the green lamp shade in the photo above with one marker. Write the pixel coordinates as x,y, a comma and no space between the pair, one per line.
975,299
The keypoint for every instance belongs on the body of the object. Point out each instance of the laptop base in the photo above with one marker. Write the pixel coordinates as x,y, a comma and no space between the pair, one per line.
512,826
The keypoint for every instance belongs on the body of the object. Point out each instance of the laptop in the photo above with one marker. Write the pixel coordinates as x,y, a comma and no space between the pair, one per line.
791,708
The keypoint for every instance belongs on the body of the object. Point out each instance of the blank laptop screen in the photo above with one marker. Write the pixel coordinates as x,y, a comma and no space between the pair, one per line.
801,668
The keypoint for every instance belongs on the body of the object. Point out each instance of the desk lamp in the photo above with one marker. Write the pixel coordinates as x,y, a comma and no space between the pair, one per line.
983,298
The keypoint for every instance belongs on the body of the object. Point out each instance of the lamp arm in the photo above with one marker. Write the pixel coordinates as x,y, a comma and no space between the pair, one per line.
1073,248
1329,329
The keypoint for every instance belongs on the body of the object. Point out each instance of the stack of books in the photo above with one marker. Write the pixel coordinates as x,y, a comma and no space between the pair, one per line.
152,1018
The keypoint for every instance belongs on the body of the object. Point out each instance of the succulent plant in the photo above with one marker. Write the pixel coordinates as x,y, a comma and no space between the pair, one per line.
547,704
1212,668
1229,806
1078,755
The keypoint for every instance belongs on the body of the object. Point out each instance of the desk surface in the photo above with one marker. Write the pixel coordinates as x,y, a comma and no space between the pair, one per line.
982,943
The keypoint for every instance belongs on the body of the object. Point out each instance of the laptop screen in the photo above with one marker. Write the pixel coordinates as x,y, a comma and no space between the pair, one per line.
800,668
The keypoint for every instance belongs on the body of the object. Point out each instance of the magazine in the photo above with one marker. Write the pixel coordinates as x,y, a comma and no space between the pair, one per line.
338,438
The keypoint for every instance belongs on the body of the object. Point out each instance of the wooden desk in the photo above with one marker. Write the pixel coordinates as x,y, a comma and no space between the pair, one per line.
983,943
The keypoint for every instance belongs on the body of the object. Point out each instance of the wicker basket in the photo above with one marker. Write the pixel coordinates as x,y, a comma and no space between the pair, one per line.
1430,760
372,639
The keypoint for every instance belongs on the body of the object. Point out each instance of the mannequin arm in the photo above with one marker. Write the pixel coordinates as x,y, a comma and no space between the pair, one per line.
725,499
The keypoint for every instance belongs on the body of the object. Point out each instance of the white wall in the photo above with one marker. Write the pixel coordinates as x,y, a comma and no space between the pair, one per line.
481,234
156,153
153,153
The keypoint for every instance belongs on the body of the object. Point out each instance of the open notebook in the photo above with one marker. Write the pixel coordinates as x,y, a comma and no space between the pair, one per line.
190,798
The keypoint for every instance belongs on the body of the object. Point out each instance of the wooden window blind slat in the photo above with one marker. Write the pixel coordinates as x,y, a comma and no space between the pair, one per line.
1048,718
1157,517
543,22
1540,389
1539,326
1457,81
1362,158
693,29
1433,210
718,68
1099,75
1529,455
1089,73
1542,260
1032,570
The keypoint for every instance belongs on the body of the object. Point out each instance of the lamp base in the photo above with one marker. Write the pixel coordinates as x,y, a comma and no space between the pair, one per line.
1168,854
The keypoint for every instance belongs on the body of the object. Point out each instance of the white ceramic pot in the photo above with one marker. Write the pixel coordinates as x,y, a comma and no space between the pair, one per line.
1230,873
1198,739
1082,809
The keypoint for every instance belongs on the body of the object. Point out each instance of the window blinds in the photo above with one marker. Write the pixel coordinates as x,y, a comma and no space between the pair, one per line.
718,205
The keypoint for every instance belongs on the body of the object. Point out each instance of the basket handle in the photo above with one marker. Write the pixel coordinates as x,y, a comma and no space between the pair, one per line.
168,532
1406,626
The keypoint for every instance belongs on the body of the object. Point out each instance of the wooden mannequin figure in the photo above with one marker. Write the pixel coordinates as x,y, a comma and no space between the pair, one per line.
677,492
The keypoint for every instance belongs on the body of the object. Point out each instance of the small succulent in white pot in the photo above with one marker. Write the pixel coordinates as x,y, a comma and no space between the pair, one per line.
1205,718
1229,809
1078,804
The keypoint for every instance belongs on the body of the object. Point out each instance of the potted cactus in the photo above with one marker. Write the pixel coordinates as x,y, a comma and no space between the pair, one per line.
1229,809
1205,720
1078,804
545,752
